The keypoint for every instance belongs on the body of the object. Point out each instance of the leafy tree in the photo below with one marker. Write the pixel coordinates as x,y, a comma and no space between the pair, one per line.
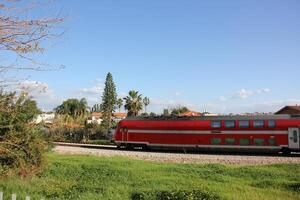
166,112
133,103
96,108
73,107
146,102
109,100
152,114
179,110
120,103
22,143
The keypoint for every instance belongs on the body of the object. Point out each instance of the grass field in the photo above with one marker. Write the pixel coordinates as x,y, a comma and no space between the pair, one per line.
88,177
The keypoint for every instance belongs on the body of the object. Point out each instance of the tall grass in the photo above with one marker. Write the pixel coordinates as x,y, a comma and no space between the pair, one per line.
88,177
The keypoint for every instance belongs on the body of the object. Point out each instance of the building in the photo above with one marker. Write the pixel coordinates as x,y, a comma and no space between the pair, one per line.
190,114
291,110
96,117
47,118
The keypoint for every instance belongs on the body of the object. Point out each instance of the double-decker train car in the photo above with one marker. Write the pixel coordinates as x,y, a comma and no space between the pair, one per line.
260,133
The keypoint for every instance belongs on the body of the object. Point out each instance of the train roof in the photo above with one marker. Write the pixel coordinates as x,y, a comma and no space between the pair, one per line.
220,117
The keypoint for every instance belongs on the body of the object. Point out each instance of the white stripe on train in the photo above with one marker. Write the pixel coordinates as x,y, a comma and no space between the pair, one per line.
205,132
201,146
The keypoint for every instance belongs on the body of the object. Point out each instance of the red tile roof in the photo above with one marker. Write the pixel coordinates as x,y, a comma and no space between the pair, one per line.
190,114
117,115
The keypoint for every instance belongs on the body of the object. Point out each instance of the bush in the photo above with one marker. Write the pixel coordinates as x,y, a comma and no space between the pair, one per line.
175,195
64,134
22,143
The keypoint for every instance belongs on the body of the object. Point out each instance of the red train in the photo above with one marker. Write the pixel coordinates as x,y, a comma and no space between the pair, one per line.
272,133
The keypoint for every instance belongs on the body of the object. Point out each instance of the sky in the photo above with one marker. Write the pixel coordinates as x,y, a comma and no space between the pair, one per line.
218,56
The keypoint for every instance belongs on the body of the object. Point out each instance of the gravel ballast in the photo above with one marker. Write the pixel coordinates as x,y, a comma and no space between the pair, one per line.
198,158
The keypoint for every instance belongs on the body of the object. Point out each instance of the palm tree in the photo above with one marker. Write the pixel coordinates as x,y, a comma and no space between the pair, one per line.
73,107
146,102
120,103
82,107
133,103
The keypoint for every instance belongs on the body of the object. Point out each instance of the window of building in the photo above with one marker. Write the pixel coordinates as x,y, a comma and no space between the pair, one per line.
215,140
272,141
244,141
258,141
244,124
271,123
230,124
258,123
216,124
229,141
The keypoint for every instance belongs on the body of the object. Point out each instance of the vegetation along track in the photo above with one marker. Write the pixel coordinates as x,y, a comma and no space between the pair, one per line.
174,157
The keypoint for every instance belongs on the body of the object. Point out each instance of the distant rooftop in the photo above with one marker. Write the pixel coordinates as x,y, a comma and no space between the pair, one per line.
292,110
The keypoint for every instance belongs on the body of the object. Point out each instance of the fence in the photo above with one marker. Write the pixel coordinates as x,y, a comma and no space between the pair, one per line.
13,197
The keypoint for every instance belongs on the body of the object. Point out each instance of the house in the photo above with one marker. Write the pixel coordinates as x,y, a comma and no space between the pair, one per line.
47,118
96,117
190,114
291,110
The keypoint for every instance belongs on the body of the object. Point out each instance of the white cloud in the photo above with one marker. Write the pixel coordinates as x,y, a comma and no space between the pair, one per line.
177,93
222,98
243,93
157,105
33,87
92,94
96,89
264,90
265,107
40,92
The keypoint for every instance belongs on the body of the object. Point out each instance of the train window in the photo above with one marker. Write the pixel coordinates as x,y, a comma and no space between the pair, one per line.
216,124
244,141
258,123
272,141
271,123
259,141
230,124
215,140
243,124
229,141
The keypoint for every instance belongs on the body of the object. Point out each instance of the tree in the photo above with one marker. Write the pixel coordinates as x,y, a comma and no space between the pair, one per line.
73,107
22,37
179,110
21,143
166,112
109,100
146,102
133,103
120,103
96,108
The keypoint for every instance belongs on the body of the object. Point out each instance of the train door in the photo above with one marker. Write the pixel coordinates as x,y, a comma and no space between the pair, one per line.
294,138
124,135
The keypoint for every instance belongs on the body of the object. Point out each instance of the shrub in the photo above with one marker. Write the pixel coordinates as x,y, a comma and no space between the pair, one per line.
175,195
22,143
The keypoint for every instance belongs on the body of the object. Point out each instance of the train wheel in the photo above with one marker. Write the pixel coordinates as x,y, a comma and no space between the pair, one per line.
286,151
144,147
129,146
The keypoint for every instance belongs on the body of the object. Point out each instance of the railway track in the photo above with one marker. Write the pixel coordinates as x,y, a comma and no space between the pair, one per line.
175,156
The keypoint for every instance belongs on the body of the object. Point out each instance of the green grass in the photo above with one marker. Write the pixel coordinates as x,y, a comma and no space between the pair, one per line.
89,177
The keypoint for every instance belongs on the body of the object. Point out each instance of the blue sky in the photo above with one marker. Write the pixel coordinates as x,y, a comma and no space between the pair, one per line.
219,56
